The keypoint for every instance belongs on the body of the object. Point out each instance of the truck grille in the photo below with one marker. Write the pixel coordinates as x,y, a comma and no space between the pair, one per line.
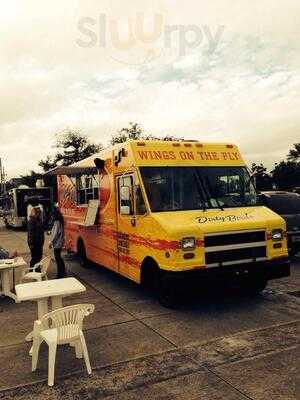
234,238
235,248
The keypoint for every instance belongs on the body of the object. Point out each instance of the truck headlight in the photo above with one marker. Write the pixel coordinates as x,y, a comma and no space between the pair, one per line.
188,243
277,234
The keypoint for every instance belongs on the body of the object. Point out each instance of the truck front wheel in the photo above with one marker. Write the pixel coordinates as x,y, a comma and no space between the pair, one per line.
253,287
160,282
166,291
293,250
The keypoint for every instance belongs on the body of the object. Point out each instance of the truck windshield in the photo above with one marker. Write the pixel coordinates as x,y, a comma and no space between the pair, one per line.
194,188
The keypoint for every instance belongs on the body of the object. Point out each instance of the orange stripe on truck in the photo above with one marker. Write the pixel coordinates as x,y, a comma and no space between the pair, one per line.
130,261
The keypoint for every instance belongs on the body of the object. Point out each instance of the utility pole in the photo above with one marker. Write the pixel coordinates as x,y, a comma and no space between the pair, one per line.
2,179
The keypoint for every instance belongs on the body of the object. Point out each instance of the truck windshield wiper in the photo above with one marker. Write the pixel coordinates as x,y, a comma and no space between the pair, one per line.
210,192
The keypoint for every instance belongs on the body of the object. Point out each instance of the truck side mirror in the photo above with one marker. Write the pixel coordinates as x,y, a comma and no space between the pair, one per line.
99,164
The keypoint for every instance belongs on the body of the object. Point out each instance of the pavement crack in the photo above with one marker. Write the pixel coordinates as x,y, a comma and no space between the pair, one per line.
229,384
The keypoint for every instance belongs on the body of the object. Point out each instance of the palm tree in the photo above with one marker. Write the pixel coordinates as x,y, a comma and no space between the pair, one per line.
294,154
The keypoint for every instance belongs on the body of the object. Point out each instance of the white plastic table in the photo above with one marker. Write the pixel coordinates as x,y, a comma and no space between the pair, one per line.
7,268
41,292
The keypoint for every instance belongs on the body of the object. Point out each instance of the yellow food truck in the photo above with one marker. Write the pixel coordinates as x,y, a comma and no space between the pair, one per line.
165,212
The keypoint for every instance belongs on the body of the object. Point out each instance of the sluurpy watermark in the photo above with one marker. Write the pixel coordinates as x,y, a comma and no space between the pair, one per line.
105,32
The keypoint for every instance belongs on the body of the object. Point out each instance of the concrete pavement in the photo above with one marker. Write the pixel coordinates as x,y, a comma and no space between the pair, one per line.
211,348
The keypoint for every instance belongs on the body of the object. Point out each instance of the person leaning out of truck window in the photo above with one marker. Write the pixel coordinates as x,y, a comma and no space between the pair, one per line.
36,236
57,242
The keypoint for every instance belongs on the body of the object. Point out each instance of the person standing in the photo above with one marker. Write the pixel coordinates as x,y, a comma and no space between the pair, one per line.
36,236
57,242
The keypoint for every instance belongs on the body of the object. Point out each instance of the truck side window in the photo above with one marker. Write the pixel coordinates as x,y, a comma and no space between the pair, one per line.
126,195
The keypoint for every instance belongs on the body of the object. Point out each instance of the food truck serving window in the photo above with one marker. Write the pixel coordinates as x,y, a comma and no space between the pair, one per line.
87,188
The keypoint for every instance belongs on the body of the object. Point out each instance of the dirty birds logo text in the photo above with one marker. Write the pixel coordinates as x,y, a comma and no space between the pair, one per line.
225,218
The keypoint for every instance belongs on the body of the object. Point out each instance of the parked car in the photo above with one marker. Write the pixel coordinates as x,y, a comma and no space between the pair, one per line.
296,190
287,205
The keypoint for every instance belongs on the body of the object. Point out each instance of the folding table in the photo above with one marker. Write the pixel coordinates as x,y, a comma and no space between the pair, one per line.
7,278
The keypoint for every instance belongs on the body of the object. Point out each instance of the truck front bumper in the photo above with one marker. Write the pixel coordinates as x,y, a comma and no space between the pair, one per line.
269,269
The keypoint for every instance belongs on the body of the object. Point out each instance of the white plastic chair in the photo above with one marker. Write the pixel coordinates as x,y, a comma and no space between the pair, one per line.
33,274
62,326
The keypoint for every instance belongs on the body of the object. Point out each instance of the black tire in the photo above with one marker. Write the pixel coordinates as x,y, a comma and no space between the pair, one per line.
150,276
254,287
293,250
81,252
166,291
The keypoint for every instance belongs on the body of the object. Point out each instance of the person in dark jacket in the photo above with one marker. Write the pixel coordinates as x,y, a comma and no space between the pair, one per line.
57,242
36,236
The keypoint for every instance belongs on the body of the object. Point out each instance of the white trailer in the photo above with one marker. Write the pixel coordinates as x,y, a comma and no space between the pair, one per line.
20,200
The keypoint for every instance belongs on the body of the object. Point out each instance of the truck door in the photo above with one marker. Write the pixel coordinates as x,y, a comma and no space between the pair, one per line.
130,205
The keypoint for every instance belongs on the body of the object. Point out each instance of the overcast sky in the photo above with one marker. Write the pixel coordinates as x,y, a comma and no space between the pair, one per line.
227,71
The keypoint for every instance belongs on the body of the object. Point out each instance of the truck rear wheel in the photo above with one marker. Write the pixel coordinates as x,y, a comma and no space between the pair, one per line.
81,252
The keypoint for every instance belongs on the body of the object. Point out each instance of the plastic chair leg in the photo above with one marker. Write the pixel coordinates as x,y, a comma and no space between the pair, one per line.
51,363
85,353
35,353
78,349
